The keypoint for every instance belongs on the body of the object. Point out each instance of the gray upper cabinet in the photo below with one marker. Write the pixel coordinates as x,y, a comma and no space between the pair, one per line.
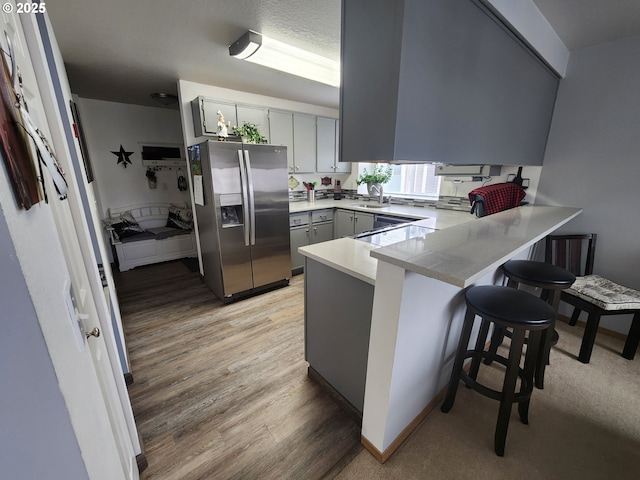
449,83
341,167
304,143
257,115
326,150
327,147
281,130
205,115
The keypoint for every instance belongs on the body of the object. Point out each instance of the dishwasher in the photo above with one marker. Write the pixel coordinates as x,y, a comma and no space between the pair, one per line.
382,221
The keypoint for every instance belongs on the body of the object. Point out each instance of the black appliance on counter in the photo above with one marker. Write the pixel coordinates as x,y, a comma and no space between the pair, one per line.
495,198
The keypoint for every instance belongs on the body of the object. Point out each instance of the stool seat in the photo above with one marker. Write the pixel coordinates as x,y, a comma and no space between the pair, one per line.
505,308
552,280
538,274
509,306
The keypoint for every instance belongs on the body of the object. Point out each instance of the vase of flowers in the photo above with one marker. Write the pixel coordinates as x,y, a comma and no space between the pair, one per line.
249,133
380,175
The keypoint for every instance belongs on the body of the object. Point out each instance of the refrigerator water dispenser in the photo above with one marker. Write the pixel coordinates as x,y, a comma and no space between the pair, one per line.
231,210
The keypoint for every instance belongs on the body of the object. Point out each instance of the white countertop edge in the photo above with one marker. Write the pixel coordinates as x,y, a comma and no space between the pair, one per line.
362,269
392,253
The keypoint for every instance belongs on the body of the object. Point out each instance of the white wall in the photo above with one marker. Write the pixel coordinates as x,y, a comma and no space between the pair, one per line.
108,125
448,186
592,159
36,439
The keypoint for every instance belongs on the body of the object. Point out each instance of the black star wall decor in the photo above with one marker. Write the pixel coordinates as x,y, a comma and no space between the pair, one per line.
123,157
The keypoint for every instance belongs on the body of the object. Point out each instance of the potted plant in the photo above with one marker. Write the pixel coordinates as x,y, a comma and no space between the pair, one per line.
249,133
381,174
152,179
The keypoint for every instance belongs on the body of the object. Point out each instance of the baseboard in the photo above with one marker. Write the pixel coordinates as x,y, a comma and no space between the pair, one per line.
415,423
399,440
141,460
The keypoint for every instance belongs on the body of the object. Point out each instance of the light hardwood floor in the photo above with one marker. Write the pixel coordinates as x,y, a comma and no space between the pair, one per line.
222,392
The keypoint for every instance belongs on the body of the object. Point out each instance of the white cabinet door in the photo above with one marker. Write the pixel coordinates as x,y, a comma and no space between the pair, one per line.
257,115
304,143
362,222
343,223
326,145
281,130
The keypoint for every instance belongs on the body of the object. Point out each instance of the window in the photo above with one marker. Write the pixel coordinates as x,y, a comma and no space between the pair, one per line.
416,179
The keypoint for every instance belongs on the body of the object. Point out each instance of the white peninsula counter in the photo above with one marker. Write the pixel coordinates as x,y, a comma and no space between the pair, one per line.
416,312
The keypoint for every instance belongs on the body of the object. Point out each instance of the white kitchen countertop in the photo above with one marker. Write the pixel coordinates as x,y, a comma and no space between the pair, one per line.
345,255
463,249
353,256
461,254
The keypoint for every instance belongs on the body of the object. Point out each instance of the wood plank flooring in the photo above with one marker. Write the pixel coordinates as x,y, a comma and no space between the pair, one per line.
222,392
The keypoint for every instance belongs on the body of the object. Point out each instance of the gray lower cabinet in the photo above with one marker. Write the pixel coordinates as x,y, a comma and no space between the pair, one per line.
348,223
337,318
307,228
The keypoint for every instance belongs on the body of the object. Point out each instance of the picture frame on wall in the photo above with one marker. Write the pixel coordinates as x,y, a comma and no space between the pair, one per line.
79,134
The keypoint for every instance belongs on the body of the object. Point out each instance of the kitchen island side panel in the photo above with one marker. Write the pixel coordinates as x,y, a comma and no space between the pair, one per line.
338,311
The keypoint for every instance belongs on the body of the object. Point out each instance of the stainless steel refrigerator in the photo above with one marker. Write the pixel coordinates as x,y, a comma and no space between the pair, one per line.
242,209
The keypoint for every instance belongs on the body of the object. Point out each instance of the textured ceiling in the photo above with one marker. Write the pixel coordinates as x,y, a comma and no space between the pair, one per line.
123,50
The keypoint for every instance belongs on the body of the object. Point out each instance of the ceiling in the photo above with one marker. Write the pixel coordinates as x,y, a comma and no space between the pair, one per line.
123,50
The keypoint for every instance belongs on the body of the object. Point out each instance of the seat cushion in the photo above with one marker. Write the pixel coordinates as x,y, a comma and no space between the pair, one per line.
605,293
538,274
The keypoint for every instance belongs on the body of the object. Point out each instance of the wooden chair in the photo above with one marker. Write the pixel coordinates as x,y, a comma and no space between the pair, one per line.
591,293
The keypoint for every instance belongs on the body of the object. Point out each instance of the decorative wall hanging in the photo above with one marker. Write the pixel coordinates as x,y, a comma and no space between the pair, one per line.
123,157
325,181
152,178
182,182
194,160
15,148
293,182
78,131
15,122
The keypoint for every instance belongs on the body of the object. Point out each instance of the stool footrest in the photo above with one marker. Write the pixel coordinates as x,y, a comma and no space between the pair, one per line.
526,386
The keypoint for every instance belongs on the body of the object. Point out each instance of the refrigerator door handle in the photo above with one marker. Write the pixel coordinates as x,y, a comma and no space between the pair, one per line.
245,199
252,203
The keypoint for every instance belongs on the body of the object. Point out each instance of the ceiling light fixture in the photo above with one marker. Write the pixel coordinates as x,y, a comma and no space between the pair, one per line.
165,99
255,47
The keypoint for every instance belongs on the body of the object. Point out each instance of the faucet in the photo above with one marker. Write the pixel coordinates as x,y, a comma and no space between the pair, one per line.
375,188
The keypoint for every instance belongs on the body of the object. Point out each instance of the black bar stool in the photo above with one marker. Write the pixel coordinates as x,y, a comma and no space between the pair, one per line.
551,279
505,308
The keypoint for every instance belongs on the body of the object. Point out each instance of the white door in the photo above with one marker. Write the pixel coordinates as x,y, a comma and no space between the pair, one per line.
84,367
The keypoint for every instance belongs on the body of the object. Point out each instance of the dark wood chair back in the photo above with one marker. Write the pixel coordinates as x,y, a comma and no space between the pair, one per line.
572,252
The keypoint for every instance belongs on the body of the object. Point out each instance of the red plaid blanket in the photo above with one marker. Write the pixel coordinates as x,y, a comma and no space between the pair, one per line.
498,197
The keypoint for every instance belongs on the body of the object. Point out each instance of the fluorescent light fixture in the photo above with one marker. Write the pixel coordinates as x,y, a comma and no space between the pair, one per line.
255,47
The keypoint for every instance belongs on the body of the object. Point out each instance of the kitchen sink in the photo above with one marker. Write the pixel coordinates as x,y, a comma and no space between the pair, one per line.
372,205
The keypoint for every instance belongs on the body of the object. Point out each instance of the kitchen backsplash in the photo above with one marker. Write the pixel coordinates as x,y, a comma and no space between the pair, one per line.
444,202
